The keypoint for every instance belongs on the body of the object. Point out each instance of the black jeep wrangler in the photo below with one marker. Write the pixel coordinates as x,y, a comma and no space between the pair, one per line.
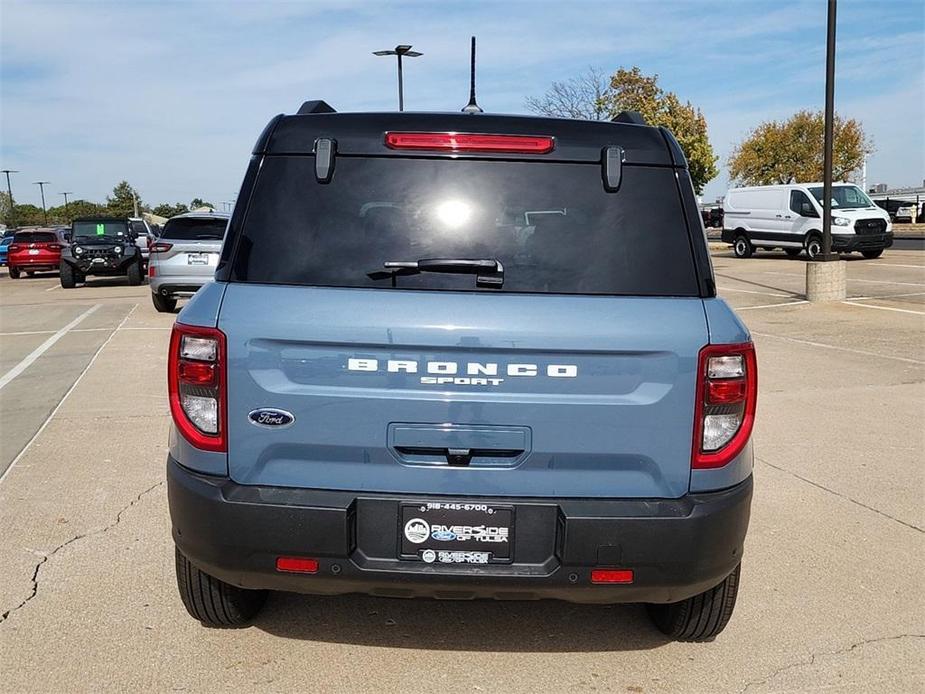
101,246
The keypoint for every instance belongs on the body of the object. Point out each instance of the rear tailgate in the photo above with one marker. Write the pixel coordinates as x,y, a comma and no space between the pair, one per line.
462,393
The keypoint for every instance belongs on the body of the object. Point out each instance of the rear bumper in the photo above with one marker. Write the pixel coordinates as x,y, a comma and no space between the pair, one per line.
676,547
170,285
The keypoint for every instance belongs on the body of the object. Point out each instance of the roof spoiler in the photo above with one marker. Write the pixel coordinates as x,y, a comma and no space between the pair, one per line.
316,106
633,117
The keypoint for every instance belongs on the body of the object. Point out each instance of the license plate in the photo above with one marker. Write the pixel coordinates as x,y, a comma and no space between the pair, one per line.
197,258
33,251
456,532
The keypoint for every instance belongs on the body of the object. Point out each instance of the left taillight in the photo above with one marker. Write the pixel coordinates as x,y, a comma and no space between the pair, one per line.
727,396
196,386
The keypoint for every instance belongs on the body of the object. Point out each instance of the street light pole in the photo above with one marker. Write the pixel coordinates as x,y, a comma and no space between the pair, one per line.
66,211
41,185
400,51
9,191
829,136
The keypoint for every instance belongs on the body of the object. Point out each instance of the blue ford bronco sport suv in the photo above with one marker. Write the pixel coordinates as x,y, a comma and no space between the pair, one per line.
462,356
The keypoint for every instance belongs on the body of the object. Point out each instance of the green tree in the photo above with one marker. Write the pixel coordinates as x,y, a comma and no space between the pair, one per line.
122,201
75,209
588,96
5,210
792,150
167,210
29,216
196,203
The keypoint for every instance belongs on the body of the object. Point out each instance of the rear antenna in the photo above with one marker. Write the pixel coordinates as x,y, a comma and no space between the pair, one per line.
472,106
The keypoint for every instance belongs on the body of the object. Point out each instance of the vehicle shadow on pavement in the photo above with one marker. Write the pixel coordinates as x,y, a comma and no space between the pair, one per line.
546,626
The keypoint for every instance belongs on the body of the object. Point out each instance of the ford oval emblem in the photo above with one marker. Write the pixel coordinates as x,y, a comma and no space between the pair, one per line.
271,417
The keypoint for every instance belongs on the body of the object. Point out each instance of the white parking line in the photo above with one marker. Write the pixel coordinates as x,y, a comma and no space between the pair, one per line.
69,391
917,267
850,279
752,291
53,288
786,303
44,347
840,349
885,308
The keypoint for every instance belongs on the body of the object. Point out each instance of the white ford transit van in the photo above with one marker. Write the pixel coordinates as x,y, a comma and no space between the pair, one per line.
790,217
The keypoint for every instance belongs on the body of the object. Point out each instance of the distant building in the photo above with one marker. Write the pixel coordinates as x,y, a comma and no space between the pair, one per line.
880,188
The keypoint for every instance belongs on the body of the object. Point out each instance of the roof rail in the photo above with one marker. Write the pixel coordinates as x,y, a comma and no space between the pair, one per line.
633,117
316,106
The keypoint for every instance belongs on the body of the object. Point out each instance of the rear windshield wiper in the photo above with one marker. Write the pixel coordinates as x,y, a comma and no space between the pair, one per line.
489,272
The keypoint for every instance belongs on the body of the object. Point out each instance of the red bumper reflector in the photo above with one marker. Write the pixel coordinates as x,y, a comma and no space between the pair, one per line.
611,576
197,373
726,392
471,142
298,565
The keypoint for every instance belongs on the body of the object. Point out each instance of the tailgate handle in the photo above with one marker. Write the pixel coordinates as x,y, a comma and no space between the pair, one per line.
459,457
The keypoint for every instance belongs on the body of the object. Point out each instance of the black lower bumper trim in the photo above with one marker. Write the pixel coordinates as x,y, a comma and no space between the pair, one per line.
677,548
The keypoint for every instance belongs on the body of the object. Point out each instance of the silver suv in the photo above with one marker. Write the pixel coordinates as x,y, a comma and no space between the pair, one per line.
184,257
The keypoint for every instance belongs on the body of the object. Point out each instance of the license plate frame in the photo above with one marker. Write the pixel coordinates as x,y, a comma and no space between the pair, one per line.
456,532
197,258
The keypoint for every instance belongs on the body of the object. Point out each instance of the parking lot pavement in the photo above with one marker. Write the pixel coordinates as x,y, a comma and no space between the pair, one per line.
831,595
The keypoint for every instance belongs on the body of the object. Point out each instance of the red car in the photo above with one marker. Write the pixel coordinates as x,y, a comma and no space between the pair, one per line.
35,250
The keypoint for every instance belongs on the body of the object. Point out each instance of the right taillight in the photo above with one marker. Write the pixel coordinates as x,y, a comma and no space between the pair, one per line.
727,393
196,385
160,247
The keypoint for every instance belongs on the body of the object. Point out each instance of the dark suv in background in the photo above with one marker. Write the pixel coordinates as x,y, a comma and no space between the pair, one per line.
462,356
102,246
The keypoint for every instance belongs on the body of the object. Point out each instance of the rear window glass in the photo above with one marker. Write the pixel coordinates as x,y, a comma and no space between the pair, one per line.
191,229
101,228
551,226
36,237
139,228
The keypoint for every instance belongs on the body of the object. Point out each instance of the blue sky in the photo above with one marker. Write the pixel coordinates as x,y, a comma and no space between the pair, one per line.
171,96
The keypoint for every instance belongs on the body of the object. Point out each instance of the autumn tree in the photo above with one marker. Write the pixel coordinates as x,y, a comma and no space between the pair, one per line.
792,150
591,97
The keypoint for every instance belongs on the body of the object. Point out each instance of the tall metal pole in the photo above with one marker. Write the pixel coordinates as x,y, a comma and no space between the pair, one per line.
401,92
9,191
41,185
66,210
829,136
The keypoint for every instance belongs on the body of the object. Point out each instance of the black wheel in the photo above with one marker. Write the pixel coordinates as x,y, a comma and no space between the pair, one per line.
15,273
134,274
700,618
793,252
742,247
163,304
214,602
67,275
870,255
813,246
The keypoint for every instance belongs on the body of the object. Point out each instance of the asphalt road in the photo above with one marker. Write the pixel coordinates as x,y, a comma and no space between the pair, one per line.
831,595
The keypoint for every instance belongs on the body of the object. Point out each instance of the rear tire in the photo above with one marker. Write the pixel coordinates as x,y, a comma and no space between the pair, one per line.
870,255
163,304
67,275
813,246
702,617
214,602
793,252
15,273
134,274
742,247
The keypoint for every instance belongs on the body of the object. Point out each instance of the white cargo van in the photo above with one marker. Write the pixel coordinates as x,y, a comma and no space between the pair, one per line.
790,217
